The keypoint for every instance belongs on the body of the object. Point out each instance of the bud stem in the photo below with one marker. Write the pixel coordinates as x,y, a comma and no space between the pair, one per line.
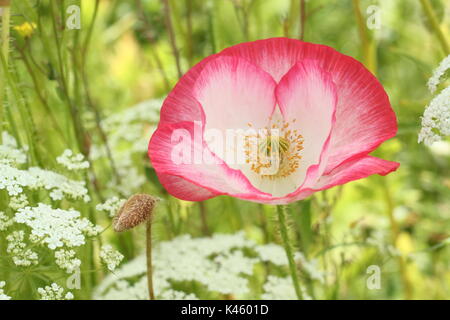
151,292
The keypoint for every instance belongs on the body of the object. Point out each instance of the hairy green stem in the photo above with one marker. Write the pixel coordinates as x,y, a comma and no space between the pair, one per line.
203,217
282,211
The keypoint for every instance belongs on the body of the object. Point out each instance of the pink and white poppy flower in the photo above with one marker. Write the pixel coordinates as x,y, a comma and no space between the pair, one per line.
330,113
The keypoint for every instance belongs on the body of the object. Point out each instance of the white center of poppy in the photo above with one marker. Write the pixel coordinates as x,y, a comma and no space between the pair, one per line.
274,152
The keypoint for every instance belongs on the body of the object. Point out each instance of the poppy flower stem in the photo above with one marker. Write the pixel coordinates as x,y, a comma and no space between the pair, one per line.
282,210
203,215
148,252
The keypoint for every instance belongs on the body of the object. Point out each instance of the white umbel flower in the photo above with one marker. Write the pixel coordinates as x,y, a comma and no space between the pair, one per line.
72,161
111,206
435,79
54,292
5,221
67,260
112,258
13,180
3,295
436,119
18,202
9,152
18,249
56,227
219,264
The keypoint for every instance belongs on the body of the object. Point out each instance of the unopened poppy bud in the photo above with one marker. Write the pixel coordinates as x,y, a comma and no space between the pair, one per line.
138,209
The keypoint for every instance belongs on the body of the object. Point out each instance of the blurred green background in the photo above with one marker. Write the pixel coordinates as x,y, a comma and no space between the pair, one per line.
72,88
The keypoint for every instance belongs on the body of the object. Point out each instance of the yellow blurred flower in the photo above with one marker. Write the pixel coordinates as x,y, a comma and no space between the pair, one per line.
26,29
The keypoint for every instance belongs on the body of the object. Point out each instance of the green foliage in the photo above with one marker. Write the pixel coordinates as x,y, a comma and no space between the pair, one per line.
72,89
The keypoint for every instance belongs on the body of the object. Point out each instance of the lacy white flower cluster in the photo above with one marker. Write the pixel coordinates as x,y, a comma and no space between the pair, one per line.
10,154
112,258
436,78
3,295
57,227
111,206
5,221
436,118
128,133
13,180
220,264
54,292
67,260
72,161
18,202
17,247
34,227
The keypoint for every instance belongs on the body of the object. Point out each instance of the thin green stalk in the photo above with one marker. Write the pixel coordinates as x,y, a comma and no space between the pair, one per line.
31,128
302,19
38,91
14,92
203,219
148,251
89,100
241,12
263,222
87,40
63,83
282,211
212,39
148,32
5,51
170,31
6,16
290,18
395,232
189,39
367,42
429,11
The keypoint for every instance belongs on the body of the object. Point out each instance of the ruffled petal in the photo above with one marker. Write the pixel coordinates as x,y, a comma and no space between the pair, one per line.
307,95
356,169
179,150
180,104
233,93
183,189
364,117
